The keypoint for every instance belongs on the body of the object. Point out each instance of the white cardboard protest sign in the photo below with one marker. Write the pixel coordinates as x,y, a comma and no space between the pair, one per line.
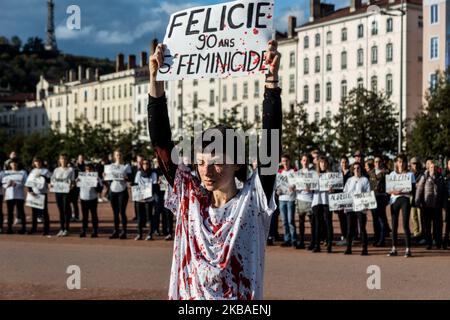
87,180
12,176
284,180
218,41
141,192
340,201
307,180
401,182
35,182
35,201
364,201
60,187
333,180
113,172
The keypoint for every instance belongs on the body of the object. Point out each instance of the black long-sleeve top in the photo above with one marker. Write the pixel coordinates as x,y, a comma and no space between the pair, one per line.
161,135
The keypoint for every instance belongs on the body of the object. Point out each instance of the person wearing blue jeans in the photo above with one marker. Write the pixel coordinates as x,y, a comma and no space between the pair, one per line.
286,194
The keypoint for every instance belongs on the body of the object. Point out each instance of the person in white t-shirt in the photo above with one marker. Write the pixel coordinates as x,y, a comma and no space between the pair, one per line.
145,177
400,200
44,175
63,175
118,189
89,203
355,185
286,196
14,183
220,232
303,203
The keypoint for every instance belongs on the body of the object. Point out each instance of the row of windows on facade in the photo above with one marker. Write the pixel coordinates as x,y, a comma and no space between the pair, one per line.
108,114
359,59
344,33
344,86
109,93
20,121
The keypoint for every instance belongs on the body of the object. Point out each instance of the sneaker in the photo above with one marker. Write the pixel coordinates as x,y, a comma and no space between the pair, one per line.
300,245
348,251
83,234
94,235
408,253
168,238
310,247
422,242
286,244
40,220
114,235
105,199
392,253
100,200
364,252
270,241
138,237
317,249
149,237
65,233
60,233
45,233
341,243
329,249
17,221
123,235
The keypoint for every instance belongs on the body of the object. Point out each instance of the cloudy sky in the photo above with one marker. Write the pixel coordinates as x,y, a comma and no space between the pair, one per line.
112,26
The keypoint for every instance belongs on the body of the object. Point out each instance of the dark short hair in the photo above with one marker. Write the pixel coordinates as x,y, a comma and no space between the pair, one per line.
344,157
286,156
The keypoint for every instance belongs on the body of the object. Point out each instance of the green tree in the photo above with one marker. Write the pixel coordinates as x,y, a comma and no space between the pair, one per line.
430,133
366,121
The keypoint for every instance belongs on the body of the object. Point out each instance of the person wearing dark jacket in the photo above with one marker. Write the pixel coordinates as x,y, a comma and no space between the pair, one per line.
417,217
431,198
446,243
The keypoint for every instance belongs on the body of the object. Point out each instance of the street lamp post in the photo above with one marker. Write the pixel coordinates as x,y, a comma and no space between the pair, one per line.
374,9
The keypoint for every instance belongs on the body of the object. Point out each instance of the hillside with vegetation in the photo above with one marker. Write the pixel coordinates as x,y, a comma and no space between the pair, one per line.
21,64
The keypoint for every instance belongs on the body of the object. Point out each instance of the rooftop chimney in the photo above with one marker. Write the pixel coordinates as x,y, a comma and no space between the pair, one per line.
80,73
292,24
143,58
89,74
131,61
97,74
72,75
120,62
314,10
355,4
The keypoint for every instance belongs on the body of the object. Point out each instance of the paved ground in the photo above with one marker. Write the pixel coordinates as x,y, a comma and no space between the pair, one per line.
34,267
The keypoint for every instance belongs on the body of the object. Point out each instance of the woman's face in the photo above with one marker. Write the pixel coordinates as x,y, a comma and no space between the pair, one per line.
399,164
322,165
118,156
145,165
215,176
14,166
344,164
305,162
357,170
63,161
38,164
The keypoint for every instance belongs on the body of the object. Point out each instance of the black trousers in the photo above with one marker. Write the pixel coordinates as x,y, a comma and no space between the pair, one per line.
119,202
381,228
354,219
19,204
86,207
158,214
433,217
343,222
321,215
168,226
41,213
62,202
145,213
403,204
1,211
73,202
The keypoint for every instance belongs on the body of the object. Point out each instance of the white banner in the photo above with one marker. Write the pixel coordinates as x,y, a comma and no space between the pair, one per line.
364,201
60,187
340,201
34,181
35,201
87,180
333,180
284,180
141,192
114,172
218,41
307,180
400,182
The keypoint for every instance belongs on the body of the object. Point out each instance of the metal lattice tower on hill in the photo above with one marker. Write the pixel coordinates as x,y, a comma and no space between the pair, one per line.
50,43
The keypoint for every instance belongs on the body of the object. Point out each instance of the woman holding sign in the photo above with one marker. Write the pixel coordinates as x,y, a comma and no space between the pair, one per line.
321,211
61,182
38,186
144,179
354,185
14,182
89,199
119,194
220,233
400,201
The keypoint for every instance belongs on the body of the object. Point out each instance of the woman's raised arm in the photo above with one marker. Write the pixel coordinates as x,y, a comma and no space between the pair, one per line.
158,117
